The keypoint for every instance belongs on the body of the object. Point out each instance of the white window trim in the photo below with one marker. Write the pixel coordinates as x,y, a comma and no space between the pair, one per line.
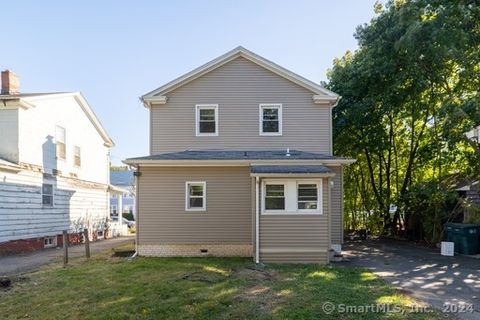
264,192
79,156
187,195
64,142
260,119
53,244
291,197
319,184
198,107
48,195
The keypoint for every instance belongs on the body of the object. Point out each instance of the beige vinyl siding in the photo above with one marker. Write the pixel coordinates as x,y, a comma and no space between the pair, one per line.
295,237
161,205
238,88
337,206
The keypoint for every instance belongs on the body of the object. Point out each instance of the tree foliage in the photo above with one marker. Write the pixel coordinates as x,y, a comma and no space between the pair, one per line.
409,94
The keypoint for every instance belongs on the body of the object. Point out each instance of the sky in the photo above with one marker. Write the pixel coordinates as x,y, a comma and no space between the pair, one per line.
116,51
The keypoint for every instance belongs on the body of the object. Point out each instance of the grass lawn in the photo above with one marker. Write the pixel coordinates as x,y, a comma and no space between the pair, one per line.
196,288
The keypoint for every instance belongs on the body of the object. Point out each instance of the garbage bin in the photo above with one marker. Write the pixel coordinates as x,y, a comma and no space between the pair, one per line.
465,236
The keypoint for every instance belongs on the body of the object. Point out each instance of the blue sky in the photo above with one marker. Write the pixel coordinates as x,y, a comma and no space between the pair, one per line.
115,51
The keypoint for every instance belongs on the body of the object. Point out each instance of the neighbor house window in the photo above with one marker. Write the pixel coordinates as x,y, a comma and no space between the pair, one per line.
206,119
195,196
292,196
77,156
270,120
49,242
307,196
47,194
113,209
60,140
275,197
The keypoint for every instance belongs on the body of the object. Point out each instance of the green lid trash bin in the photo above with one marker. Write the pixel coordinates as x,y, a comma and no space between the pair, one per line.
465,236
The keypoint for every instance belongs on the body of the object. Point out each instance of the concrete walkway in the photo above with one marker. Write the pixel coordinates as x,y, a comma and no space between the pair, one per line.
10,265
421,272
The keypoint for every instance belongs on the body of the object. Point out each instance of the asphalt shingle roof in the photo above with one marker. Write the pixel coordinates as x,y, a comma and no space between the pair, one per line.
289,169
238,155
121,177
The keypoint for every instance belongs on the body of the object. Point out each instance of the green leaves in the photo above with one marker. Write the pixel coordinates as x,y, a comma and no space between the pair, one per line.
410,93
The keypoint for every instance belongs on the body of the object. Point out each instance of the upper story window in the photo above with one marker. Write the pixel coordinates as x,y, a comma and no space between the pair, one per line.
60,141
195,196
206,119
77,156
270,120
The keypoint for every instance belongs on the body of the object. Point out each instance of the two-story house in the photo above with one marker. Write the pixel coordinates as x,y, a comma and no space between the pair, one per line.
240,164
54,168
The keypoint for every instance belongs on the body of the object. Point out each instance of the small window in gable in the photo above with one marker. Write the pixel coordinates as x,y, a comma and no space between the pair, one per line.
270,120
60,141
206,120
77,156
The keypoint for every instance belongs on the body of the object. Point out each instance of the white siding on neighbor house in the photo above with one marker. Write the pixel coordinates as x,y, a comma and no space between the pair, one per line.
9,134
37,138
22,215
238,88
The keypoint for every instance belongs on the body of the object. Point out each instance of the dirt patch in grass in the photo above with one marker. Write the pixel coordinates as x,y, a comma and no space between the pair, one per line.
255,274
13,282
201,276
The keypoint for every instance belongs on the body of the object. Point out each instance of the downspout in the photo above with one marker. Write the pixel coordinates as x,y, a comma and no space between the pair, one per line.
257,220
137,224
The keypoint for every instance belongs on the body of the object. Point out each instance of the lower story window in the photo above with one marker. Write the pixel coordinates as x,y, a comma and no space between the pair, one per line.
47,194
307,196
292,196
274,197
195,196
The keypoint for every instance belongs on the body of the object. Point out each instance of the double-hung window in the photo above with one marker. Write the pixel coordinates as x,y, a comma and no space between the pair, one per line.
77,156
195,196
206,119
47,194
60,141
274,196
270,120
292,196
307,196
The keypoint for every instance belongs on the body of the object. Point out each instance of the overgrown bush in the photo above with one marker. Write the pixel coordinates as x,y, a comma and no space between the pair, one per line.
427,207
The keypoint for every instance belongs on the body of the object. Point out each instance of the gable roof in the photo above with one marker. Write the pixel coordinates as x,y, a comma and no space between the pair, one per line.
24,100
320,93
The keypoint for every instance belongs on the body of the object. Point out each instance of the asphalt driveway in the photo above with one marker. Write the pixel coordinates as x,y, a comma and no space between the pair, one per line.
15,264
421,272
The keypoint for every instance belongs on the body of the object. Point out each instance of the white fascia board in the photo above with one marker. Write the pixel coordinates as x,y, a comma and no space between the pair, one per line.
253,57
148,101
80,99
6,103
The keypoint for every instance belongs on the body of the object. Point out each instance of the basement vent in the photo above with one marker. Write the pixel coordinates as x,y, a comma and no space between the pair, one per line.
203,251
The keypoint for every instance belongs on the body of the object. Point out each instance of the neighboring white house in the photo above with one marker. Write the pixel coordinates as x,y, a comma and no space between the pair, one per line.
54,168
123,180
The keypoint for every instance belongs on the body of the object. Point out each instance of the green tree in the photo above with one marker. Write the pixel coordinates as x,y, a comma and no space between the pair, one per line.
409,94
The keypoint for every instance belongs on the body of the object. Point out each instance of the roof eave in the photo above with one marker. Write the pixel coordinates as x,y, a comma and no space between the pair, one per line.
239,162
229,56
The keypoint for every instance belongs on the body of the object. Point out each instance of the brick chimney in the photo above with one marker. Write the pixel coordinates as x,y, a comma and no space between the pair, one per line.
10,83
